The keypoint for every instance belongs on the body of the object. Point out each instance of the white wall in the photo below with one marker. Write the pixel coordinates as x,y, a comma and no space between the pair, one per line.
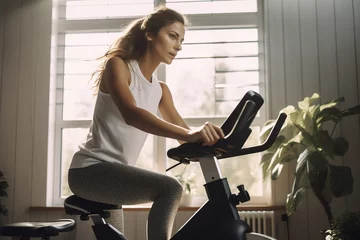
24,75
313,46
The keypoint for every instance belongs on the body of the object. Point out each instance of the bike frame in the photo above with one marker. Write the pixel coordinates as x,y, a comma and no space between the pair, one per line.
213,220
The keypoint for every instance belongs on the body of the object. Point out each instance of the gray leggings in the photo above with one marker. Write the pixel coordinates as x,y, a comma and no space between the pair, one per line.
115,183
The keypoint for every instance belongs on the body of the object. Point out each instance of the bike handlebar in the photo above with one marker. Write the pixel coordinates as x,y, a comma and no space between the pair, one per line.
237,130
260,148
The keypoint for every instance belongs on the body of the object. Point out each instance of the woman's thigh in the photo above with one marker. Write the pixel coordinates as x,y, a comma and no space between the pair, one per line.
115,183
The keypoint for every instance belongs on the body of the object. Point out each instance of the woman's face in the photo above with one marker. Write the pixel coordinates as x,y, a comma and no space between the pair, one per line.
166,44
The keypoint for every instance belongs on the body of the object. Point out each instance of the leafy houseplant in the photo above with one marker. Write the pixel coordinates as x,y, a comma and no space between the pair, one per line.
3,186
345,227
304,139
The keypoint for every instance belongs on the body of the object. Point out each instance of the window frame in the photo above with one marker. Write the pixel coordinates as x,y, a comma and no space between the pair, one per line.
61,26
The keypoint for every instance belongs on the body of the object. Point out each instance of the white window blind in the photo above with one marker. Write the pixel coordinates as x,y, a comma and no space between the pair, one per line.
101,9
214,70
222,58
208,6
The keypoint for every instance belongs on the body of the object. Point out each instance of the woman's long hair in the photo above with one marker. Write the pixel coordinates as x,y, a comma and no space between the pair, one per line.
133,43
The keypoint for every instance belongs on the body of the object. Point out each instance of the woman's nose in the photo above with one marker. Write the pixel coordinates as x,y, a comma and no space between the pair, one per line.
178,47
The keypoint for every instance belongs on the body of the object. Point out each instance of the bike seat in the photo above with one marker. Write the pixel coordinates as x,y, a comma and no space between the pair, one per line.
37,229
75,205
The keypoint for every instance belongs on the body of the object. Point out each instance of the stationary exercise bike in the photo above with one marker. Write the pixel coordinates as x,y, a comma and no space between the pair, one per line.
217,219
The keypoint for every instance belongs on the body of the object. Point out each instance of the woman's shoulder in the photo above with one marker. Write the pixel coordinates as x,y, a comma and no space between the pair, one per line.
116,69
164,87
116,62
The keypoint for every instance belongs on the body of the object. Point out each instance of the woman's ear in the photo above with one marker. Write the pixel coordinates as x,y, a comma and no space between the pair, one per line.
148,36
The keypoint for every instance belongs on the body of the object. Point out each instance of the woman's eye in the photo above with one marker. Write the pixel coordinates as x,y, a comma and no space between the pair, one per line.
172,36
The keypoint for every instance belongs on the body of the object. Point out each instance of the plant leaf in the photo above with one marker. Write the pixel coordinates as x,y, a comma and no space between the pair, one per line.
341,180
351,111
288,110
314,110
288,131
290,204
317,171
265,131
300,184
294,200
302,119
301,161
325,142
276,171
308,101
266,157
4,185
332,103
328,114
308,139
275,159
295,116
301,178
317,161
282,155
288,153
307,122
314,98
3,210
280,140
341,146
3,193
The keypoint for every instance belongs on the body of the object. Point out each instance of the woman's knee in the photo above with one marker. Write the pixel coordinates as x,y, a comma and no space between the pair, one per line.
175,186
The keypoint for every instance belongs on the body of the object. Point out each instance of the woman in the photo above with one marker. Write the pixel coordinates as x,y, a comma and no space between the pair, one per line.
129,96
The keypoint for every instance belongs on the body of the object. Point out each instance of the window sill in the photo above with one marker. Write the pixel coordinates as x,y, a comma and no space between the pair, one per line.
181,208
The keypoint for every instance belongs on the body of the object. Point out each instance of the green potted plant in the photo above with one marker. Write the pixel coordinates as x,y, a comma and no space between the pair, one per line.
304,138
3,186
345,227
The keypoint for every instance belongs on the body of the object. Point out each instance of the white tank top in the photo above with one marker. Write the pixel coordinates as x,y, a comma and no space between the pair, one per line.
110,139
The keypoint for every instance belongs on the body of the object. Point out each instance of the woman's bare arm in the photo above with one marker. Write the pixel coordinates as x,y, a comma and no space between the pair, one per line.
168,110
116,77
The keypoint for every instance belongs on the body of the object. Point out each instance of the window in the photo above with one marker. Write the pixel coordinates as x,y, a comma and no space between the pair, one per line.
222,58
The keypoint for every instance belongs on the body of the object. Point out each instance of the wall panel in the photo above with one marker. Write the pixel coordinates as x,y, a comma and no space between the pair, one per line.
293,80
25,113
311,84
327,50
2,25
41,104
328,69
345,37
276,83
292,52
309,47
9,97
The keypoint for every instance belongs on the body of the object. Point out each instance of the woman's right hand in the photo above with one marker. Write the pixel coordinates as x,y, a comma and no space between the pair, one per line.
208,134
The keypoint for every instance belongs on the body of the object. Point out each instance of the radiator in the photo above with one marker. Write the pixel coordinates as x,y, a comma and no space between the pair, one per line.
260,221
